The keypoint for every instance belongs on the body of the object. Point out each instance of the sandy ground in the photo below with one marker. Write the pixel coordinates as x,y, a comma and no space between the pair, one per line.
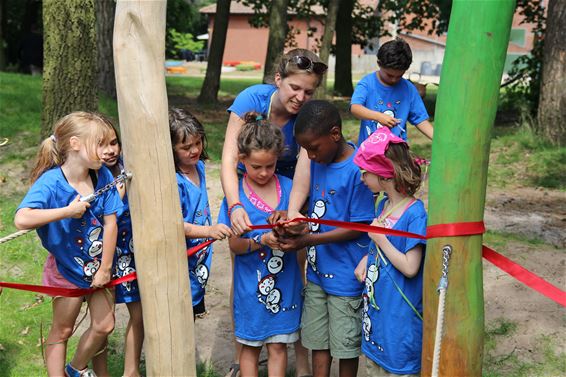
528,212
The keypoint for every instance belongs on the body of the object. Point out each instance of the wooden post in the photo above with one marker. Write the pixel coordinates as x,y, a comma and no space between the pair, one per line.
478,35
161,261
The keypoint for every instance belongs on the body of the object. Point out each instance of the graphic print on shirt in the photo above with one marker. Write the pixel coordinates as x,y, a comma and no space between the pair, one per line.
94,250
390,111
372,277
267,293
318,211
124,264
201,269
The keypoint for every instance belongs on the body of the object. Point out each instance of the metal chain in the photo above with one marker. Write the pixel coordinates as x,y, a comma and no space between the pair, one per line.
123,176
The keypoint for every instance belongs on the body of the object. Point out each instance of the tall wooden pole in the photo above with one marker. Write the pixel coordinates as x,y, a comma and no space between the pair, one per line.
478,35
139,55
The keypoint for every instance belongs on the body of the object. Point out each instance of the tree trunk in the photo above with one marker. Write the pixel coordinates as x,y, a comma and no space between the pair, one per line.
478,36
343,69
329,27
157,224
552,103
69,73
104,29
211,84
277,33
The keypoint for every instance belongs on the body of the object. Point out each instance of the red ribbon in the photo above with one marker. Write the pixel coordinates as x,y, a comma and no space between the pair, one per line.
525,276
433,231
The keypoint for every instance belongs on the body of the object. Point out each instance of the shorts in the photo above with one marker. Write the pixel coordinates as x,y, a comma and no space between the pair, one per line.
278,338
332,323
374,370
52,277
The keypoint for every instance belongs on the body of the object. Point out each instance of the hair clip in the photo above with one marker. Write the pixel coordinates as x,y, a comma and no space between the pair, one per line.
53,138
258,118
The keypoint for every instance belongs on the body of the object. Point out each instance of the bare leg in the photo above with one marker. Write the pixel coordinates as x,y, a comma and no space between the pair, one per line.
101,306
237,346
249,357
65,313
301,353
348,367
134,340
276,359
321,362
100,362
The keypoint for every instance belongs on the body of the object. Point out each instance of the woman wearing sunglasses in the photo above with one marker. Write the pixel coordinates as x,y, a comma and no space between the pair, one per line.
297,75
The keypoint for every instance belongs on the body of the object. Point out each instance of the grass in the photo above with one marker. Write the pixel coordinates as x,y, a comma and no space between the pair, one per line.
518,159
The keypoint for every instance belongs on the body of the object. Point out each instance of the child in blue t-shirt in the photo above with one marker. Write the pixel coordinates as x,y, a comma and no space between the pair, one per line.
392,271
331,325
127,292
189,141
385,98
80,236
267,281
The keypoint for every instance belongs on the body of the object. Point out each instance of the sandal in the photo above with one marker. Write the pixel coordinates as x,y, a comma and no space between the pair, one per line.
234,370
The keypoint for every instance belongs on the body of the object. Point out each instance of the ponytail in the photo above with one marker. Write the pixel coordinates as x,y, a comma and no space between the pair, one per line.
47,157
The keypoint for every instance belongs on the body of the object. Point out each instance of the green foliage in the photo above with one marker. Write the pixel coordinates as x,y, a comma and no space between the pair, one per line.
184,18
182,41
527,69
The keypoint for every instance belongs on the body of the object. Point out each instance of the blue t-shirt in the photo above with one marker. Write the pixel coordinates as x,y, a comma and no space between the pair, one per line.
401,101
267,283
392,334
76,244
125,262
196,210
337,193
257,98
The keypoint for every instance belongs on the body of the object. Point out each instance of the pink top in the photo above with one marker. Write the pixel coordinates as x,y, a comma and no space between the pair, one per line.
256,200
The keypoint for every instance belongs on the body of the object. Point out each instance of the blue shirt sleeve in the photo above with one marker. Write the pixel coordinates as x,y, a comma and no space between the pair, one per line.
223,214
359,97
111,200
417,111
361,206
38,196
417,225
254,98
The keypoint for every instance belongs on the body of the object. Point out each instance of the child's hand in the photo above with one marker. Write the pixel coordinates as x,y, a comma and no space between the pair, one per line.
239,219
387,120
292,243
270,240
361,270
220,231
377,238
277,218
296,228
101,278
77,208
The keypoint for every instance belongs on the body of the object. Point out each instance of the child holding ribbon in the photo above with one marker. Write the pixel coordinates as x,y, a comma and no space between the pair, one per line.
80,236
189,141
392,271
267,282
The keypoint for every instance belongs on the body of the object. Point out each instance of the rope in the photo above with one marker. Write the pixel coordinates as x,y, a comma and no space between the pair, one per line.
442,286
14,235
89,198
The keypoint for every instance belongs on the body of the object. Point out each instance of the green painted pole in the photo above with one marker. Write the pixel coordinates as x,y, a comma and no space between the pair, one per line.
478,36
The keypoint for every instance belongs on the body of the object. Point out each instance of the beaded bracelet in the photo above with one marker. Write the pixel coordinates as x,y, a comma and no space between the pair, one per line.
231,208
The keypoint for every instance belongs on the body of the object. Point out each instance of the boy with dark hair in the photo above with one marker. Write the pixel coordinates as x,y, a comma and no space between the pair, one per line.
385,98
331,321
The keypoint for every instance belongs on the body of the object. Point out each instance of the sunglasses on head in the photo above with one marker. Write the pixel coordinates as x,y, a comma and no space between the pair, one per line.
306,64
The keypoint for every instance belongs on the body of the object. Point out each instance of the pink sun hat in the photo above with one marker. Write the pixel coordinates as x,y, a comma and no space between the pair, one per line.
371,154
